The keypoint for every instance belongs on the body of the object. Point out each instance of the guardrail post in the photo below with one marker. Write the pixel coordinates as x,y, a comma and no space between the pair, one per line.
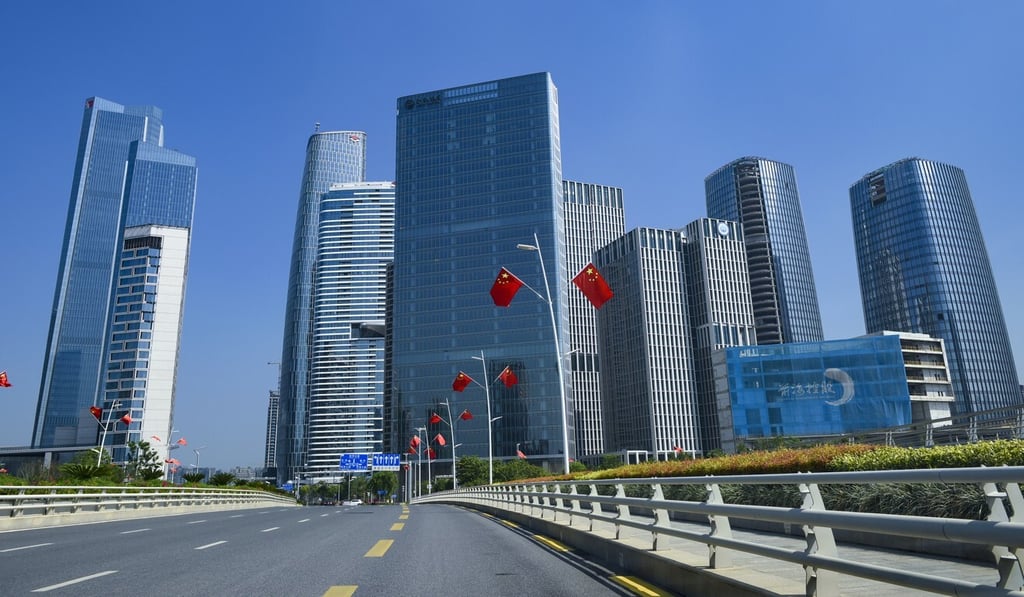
661,519
620,494
48,508
718,557
819,541
75,500
595,507
16,504
560,504
575,509
1008,558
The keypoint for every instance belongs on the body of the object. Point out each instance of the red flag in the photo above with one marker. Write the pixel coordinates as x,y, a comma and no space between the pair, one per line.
466,415
431,454
505,287
520,454
3,380
156,437
96,412
434,419
412,450
415,441
592,283
508,377
461,381
181,442
439,439
127,419
678,449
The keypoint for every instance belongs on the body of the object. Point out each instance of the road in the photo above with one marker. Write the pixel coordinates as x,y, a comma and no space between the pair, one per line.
428,550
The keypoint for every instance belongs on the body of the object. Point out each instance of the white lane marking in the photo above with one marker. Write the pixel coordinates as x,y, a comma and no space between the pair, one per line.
24,547
197,521
214,544
304,520
238,515
270,529
135,531
265,512
73,581
322,515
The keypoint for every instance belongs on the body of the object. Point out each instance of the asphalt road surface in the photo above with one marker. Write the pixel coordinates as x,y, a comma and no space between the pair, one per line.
338,551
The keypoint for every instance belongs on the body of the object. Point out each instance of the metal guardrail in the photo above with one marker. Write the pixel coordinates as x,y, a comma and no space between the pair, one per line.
1002,532
18,501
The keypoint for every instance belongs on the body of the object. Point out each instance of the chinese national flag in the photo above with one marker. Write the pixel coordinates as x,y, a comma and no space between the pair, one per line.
592,283
3,380
415,441
412,450
157,438
181,442
439,439
435,419
127,419
96,412
508,378
431,454
461,381
520,454
466,415
505,288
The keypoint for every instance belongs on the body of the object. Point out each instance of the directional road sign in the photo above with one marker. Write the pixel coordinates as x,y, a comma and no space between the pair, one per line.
387,462
354,463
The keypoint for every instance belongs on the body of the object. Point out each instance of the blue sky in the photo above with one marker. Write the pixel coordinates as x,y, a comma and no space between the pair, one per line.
654,96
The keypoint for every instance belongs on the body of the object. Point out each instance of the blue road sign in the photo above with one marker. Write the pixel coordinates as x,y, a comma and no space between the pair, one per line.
387,462
354,463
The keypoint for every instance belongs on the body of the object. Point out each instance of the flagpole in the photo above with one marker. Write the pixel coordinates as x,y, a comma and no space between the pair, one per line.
451,425
490,440
103,437
558,350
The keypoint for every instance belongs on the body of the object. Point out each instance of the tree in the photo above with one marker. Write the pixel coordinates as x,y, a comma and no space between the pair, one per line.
143,462
222,479
386,481
517,469
83,467
471,470
194,477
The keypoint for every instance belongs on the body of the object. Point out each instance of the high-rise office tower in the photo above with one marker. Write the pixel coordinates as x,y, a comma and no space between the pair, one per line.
478,173
594,217
923,268
355,244
761,195
123,177
270,452
719,307
331,157
649,403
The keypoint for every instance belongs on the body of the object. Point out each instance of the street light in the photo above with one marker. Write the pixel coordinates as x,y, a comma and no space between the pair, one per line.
558,349
490,442
196,450
422,431
103,438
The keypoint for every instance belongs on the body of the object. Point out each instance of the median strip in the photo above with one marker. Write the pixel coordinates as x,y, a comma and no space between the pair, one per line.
73,581
379,549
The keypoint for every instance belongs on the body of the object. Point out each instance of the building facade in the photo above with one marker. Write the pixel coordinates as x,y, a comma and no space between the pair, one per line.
762,196
594,217
270,451
647,380
923,268
331,157
355,244
478,174
719,308
123,178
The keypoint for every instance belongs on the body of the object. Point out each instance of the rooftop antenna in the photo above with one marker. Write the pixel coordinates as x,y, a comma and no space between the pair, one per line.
316,127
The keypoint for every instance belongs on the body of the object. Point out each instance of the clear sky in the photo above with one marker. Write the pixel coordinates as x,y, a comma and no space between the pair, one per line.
653,96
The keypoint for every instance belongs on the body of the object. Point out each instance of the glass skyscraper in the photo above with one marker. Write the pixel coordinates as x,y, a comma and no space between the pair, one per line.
478,172
923,268
120,149
331,157
594,217
355,244
762,196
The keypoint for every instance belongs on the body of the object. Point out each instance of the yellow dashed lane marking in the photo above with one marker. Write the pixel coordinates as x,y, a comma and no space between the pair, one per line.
510,524
341,591
403,517
398,526
379,549
639,587
555,545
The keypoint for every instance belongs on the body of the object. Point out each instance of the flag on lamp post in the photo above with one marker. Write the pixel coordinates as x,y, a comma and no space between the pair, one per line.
127,419
439,439
466,415
157,438
505,287
520,454
507,377
4,383
96,412
181,442
592,284
415,441
431,454
434,419
461,381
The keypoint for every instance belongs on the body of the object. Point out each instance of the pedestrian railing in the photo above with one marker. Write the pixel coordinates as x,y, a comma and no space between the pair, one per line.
18,501
581,504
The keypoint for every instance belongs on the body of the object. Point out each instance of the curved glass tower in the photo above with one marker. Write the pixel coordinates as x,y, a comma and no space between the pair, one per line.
331,157
923,268
761,195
